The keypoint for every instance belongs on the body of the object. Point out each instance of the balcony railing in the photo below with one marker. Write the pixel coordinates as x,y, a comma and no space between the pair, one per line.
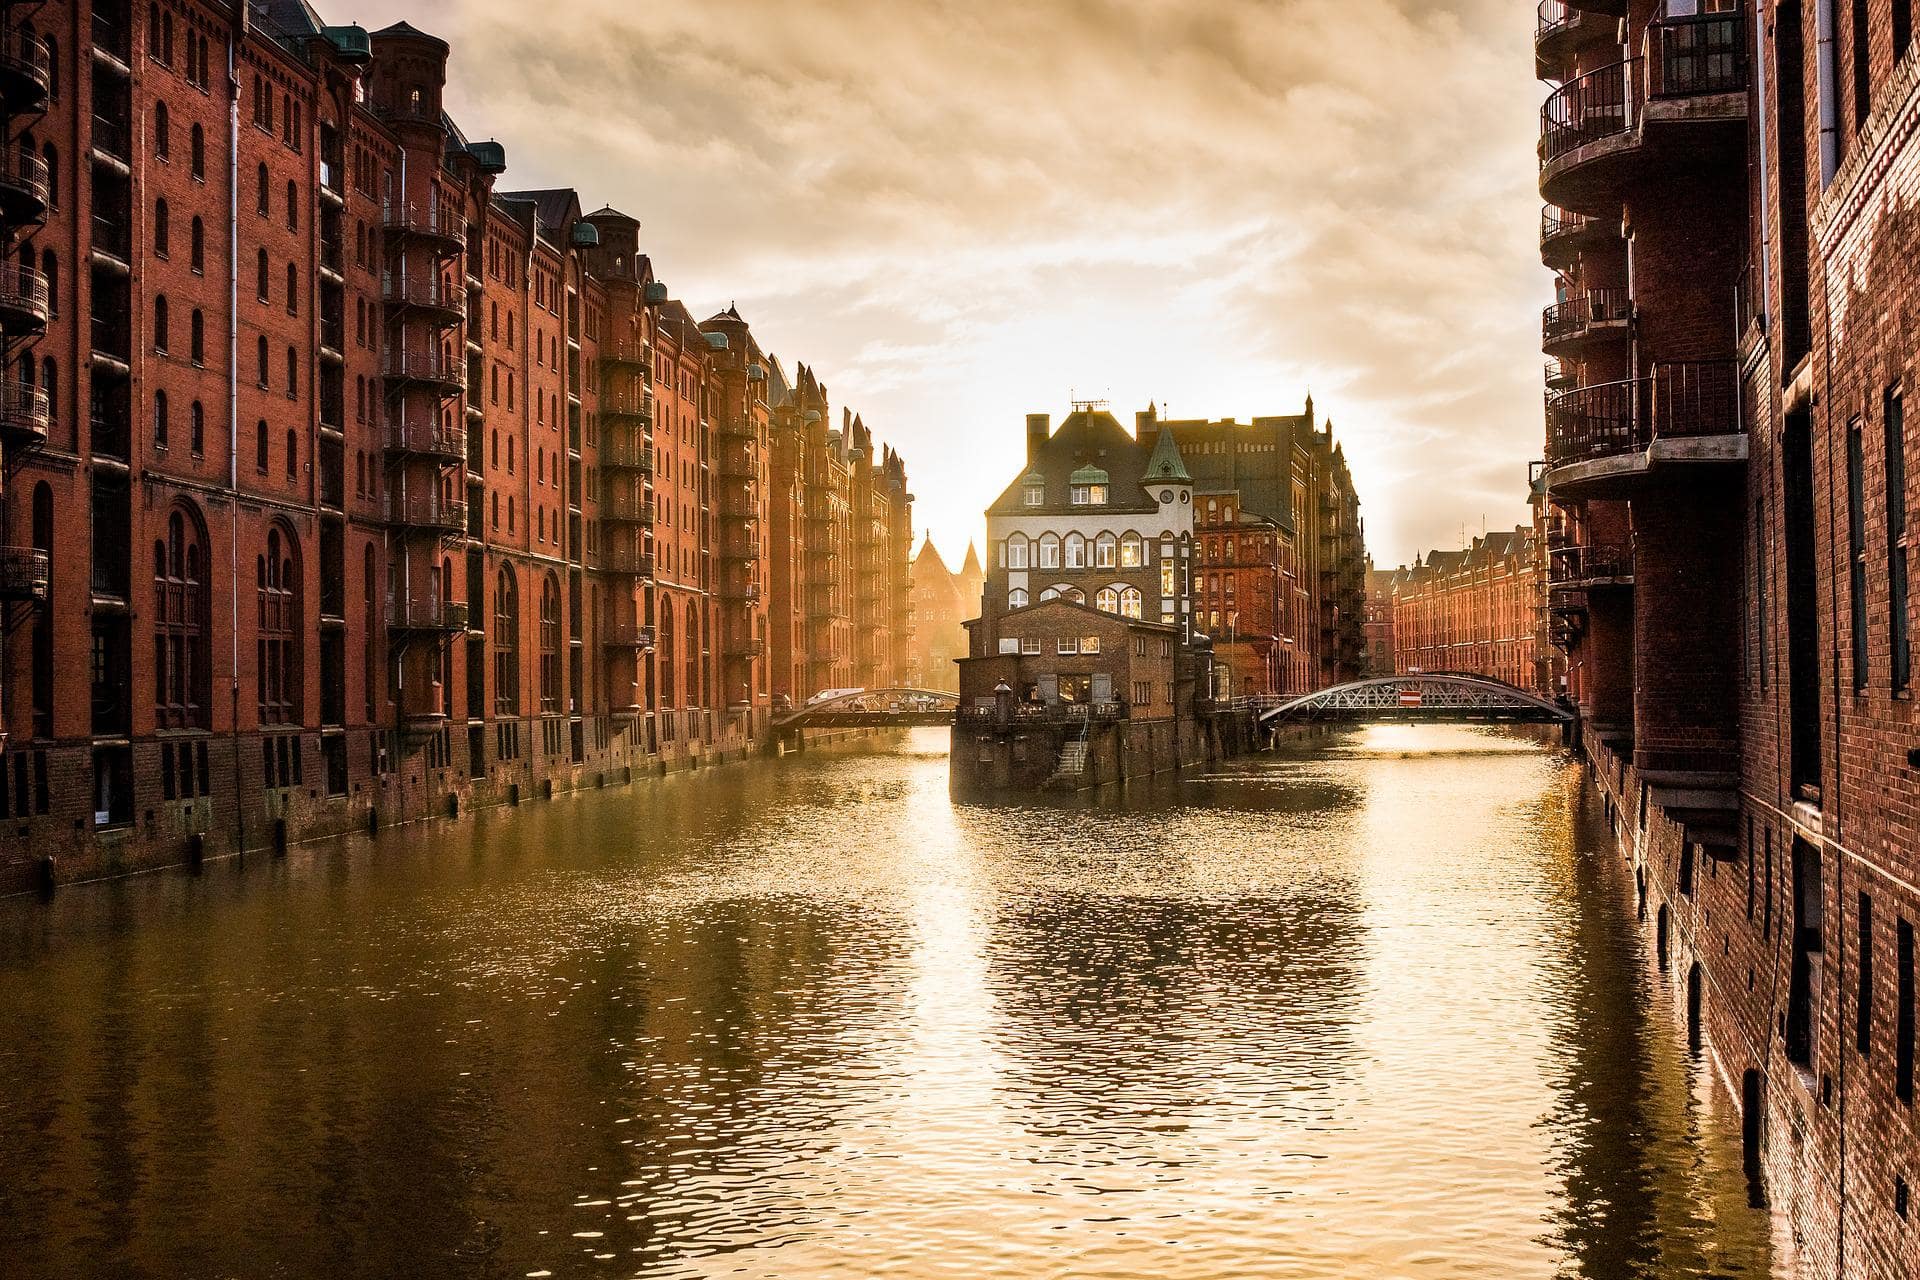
624,351
25,70
425,510
427,436
23,412
425,613
627,634
1587,109
424,366
1043,713
1576,566
1564,321
1681,399
626,506
624,560
24,573
23,184
631,404
110,138
23,298
750,648
627,455
400,289
435,222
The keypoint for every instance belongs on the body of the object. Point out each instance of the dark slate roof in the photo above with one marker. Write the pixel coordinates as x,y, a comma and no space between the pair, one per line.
1061,602
557,207
1084,438
286,20
1264,480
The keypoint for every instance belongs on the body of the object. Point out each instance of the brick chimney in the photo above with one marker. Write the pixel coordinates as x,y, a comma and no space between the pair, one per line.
1039,427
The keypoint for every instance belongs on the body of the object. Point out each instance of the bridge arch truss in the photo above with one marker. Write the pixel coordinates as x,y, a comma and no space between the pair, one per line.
1455,697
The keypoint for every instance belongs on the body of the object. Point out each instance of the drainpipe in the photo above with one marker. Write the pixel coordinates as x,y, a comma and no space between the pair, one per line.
233,402
1766,221
1829,90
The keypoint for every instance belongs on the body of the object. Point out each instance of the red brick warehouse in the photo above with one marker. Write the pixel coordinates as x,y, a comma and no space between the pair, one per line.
368,487
1730,193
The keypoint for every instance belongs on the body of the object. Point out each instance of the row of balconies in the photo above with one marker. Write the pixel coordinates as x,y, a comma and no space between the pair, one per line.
427,509
26,72
1681,400
1595,123
622,454
445,304
1584,567
1572,324
436,225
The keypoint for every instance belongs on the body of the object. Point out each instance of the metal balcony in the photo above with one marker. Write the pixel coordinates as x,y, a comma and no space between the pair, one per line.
1576,324
625,506
428,511
429,438
23,187
425,614
445,304
1602,438
627,634
23,299
750,648
425,368
24,415
25,72
1665,107
730,427
626,455
624,354
637,405
1587,567
625,561
1564,235
437,225
24,574
1561,30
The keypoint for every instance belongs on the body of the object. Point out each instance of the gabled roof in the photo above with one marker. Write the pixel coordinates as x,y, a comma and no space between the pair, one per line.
1061,602
557,208
1086,438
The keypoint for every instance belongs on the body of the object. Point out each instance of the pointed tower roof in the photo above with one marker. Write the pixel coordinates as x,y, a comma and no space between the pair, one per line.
1166,462
972,563
929,557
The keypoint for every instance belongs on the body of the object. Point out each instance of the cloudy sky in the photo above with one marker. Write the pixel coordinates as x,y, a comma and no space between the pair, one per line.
963,211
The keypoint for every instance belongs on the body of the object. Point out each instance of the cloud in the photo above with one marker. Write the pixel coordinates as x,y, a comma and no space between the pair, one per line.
961,212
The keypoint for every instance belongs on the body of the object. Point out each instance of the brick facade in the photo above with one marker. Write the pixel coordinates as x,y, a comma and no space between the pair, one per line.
1469,610
1728,476
368,486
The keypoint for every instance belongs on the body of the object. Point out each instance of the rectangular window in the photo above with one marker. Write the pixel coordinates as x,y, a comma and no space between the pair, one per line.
1067,644
1863,1014
1857,551
1030,644
1090,644
1036,495
1009,645
1903,1038
1803,605
1803,991
1902,27
1899,637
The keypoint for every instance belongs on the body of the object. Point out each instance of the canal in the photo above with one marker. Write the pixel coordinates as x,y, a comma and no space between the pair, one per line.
1380,1010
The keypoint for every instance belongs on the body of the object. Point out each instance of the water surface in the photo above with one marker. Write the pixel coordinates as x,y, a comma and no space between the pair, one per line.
1378,1010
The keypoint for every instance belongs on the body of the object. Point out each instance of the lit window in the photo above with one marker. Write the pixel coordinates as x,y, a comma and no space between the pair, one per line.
1017,598
1090,644
1108,601
1132,552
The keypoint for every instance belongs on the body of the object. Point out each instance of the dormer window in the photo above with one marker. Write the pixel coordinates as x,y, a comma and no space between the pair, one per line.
1088,487
1036,495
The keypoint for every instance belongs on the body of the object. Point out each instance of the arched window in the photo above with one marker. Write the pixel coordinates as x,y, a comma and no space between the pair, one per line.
160,322
1106,551
293,454
261,178
53,67
162,132
159,419
293,206
1076,548
197,152
277,583
1130,602
666,651
181,603
1132,551
1051,593
550,645
506,644
1017,598
293,290
370,670
261,283
50,383
1049,556
1017,551
1108,601
1074,594
260,447
197,429
43,684
691,689
293,371
197,246
51,158
161,229
260,360
50,268
198,337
